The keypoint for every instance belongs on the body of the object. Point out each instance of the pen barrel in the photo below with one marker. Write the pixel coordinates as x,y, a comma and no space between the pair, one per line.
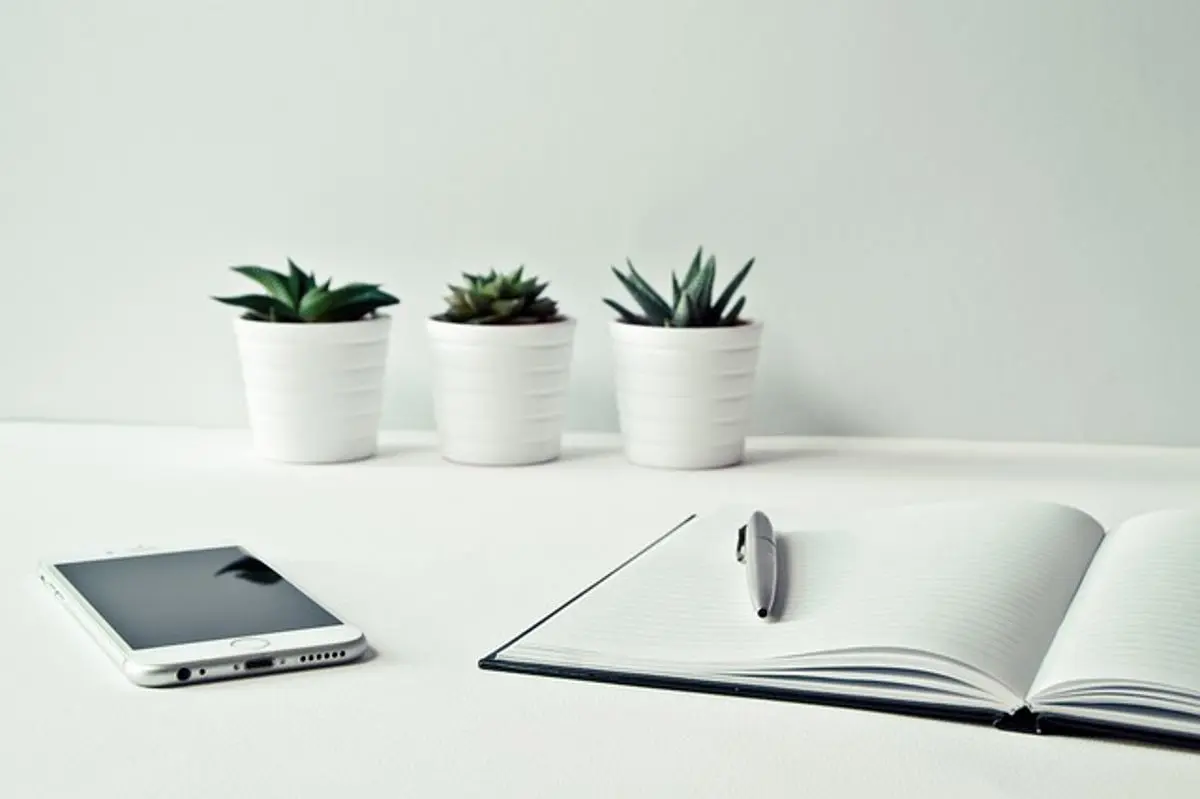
761,573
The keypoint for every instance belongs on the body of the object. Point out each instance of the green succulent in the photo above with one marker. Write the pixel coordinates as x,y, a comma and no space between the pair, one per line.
692,303
499,299
298,298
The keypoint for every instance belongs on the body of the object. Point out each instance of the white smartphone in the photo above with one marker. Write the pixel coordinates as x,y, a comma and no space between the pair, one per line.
188,616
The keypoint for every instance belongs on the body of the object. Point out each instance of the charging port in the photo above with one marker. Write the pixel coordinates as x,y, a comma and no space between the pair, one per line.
259,663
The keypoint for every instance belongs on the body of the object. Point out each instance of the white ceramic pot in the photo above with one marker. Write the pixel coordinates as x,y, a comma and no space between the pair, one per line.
684,394
314,392
499,391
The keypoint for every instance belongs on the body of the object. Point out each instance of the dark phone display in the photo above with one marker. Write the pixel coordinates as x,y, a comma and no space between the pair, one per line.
188,597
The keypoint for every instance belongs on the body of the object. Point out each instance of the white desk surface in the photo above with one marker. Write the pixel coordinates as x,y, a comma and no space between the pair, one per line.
442,563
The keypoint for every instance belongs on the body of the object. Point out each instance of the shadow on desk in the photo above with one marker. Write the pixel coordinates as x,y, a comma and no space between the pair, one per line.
398,456
769,457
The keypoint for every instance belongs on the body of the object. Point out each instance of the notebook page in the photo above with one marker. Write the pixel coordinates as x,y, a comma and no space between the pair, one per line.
1137,614
984,583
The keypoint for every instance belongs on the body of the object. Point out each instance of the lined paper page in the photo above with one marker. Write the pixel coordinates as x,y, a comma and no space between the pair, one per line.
984,583
1137,615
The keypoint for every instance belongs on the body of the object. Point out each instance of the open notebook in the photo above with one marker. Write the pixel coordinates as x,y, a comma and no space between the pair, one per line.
1027,614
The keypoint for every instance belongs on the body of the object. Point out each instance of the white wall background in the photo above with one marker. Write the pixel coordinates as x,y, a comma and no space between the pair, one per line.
973,218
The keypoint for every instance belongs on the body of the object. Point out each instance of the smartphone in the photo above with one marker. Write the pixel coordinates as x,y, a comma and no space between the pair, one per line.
187,616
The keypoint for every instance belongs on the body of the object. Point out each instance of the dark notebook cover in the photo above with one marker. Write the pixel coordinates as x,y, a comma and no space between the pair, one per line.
1021,721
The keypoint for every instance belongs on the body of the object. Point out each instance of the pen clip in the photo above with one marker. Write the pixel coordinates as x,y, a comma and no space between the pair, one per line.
741,544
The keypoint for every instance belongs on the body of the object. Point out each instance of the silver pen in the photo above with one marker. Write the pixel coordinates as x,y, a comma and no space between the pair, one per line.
756,549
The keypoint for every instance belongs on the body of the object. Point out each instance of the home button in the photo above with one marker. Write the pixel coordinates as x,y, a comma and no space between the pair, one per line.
250,643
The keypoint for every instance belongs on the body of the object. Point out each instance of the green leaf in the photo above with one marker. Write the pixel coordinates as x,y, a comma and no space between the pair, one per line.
361,292
674,292
499,298
353,311
384,297
505,308
297,283
732,317
708,276
352,301
682,312
692,311
358,287
647,295
694,294
650,292
544,308
315,304
262,305
352,292
626,314
651,305
310,281
453,313
275,283
694,269
731,289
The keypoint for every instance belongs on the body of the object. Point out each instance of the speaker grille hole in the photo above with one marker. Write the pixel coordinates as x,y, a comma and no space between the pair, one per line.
321,656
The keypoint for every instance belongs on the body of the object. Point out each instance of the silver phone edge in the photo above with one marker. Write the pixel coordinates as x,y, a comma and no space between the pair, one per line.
167,675
233,667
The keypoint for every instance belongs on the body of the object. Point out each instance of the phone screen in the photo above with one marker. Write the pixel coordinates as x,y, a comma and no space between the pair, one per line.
187,597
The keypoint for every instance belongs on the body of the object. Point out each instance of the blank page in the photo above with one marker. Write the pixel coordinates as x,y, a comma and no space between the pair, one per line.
1137,613
982,583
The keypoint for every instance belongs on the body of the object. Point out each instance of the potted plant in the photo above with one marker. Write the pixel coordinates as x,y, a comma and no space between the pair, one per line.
312,359
685,369
501,364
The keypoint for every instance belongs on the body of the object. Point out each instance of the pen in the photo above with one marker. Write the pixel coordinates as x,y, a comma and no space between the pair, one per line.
756,548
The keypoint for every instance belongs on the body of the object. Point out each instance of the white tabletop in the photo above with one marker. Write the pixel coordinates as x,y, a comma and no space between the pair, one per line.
378,540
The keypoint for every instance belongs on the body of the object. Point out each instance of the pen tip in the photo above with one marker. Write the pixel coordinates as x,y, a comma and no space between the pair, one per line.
762,613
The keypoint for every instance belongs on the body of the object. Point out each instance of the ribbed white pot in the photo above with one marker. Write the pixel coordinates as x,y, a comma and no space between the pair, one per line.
684,394
314,392
499,391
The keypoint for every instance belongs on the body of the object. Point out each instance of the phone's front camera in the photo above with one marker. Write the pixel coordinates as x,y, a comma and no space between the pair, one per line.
184,674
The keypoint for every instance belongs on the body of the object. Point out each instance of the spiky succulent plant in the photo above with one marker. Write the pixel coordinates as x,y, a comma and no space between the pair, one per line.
499,299
297,297
692,303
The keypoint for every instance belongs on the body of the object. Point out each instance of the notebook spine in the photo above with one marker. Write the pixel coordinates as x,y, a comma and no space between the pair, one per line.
1053,724
693,685
1021,720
